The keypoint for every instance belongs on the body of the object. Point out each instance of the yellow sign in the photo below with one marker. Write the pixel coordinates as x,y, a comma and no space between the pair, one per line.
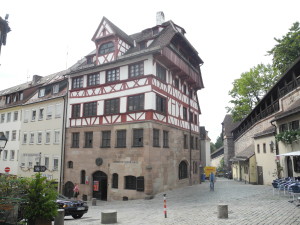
209,169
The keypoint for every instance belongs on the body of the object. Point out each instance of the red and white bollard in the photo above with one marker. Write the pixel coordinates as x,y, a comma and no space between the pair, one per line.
165,205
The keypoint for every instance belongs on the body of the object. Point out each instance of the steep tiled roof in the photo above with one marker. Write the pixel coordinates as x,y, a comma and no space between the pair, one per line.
266,132
229,125
247,153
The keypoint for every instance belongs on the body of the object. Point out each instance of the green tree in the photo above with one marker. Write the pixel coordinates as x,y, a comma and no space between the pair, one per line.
219,142
212,147
248,90
287,49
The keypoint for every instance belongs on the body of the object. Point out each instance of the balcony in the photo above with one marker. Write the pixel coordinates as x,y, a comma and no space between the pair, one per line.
182,68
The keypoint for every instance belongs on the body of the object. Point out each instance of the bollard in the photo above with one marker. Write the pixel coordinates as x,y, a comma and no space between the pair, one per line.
165,205
94,201
59,219
109,217
222,211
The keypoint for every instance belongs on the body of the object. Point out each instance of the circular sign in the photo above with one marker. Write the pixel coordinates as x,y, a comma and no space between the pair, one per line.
99,161
7,169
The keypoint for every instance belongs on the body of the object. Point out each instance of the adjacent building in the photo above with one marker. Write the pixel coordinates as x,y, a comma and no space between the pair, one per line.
133,127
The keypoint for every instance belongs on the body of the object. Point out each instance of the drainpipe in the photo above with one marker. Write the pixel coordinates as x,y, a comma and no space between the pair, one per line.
276,148
62,157
190,135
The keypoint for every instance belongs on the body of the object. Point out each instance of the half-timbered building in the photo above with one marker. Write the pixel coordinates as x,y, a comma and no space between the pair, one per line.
133,127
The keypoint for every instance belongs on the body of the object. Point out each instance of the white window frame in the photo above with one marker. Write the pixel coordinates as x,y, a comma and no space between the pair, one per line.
39,137
12,155
14,135
41,115
49,112
41,92
31,138
8,118
24,141
5,155
47,165
33,117
2,119
48,137
58,110
26,116
55,168
55,88
56,138
16,113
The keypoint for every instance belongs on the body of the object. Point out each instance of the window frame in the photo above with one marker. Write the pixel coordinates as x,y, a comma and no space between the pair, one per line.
75,140
106,139
182,170
156,138
135,102
93,80
121,139
130,183
136,69
161,72
77,82
161,104
112,106
165,139
90,109
137,137
88,139
112,75
76,111
115,181
106,48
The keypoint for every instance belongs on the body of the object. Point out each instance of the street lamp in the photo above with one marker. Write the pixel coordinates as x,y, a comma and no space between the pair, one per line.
3,141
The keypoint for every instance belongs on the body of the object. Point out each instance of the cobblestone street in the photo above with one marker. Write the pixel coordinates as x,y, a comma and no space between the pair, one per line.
247,204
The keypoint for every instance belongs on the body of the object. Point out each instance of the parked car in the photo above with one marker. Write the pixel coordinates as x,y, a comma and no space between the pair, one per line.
74,208
228,174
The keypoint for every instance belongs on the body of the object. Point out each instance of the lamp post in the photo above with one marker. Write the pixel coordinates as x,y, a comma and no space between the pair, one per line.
3,141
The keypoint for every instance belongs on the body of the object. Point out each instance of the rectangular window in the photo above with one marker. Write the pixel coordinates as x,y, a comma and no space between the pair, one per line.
196,143
39,138
192,142
41,113
75,140
161,104
296,160
161,72
176,83
111,106
77,82
26,116
130,182
7,99
112,75
14,135
121,138
185,143
8,117
55,88
115,181
184,89
155,138
196,119
76,111
106,139
41,92
136,103
2,118
49,111
294,125
184,111
138,137
33,115
47,162
140,184
93,79
88,136
56,136
90,109
7,134
16,113
48,137
165,139
31,141
58,110
258,150
12,155
264,148
5,153
191,117
21,96
25,138
283,127
136,69
55,164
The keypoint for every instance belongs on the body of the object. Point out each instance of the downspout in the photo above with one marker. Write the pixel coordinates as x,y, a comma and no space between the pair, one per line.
190,135
65,98
277,151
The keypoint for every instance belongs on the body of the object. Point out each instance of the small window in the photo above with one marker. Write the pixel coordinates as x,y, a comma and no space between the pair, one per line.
165,139
143,45
155,138
121,138
82,177
155,30
8,119
106,139
191,117
185,143
138,137
55,164
184,112
161,72
7,134
112,75
90,109
106,48
70,164
115,180
88,139
12,155
196,119
140,184
47,162
136,69
56,137
16,115
58,110
93,79
48,137
25,138
31,141
192,142
49,111
39,138
41,113
77,82
184,89
14,135
130,182
2,118
183,170
111,106
161,104
76,111
75,140
136,102
55,88
5,154
296,164
176,83
42,92
33,115
294,125
258,150
264,148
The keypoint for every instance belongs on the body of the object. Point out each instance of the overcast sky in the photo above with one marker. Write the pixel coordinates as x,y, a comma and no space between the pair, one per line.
231,36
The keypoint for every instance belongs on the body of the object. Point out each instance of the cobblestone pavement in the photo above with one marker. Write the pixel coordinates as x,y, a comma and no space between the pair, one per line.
247,204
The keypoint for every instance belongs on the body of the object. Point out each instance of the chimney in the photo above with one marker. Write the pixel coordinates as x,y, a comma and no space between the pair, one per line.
160,18
35,79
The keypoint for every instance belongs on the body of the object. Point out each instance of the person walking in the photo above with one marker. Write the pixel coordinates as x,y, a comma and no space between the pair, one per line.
76,191
212,181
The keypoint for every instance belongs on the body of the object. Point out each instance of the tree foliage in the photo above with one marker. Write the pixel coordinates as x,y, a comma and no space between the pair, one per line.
219,142
249,89
287,49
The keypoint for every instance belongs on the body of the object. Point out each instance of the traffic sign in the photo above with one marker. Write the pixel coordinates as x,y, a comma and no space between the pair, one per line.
39,168
7,169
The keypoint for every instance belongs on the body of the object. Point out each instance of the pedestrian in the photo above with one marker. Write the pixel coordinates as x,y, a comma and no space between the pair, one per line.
212,181
76,191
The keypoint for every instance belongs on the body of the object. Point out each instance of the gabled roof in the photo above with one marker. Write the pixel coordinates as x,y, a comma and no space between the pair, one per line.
245,154
116,30
267,132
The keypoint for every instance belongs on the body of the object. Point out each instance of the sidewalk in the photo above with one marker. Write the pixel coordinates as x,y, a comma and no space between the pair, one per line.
193,205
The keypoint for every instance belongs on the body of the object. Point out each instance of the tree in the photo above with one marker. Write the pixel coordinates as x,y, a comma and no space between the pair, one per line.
219,142
287,49
212,147
248,90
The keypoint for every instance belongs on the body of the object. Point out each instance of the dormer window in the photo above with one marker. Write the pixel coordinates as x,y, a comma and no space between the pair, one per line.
42,92
143,45
106,48
155,30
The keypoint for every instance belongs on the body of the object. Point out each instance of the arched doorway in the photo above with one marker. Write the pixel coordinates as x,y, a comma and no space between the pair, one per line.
289,166
68,190
100,185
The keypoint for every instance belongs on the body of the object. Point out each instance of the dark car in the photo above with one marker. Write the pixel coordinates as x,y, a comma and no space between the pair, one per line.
74,208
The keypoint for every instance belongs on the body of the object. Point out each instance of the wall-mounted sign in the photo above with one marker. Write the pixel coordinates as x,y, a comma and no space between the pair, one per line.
99,161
